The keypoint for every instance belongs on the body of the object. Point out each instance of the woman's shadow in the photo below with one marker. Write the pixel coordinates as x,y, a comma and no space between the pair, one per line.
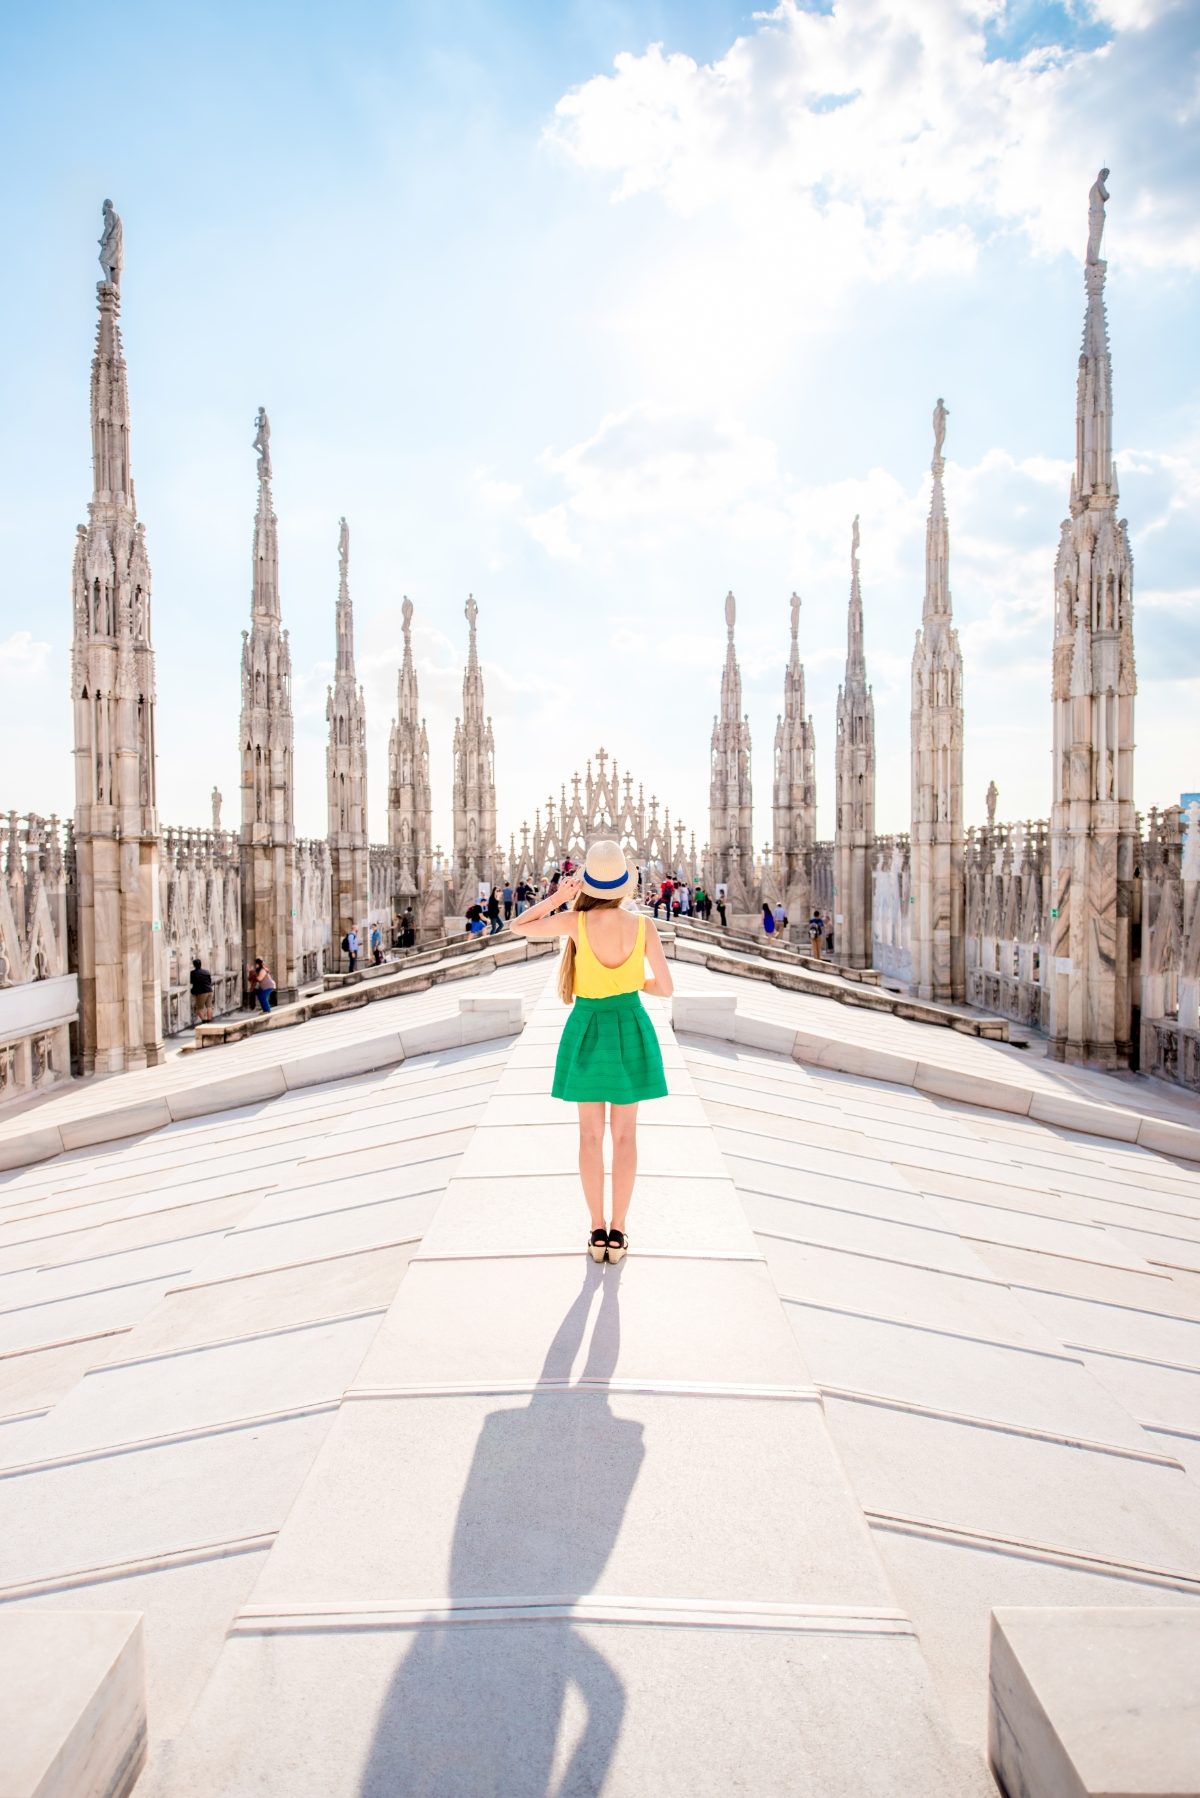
476,1709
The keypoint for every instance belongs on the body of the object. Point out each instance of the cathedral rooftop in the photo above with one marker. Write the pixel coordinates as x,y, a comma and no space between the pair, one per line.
412,1496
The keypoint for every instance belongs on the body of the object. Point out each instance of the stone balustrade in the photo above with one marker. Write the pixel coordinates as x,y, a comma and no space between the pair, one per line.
39,992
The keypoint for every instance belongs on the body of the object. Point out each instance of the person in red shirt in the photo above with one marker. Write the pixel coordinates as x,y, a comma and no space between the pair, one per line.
667,891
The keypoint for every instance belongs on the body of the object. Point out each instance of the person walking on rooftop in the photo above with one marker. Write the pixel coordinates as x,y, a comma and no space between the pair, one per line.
493,912
200,981
350,945
264,985
376,945
816,930
608,1054
768,920
507,896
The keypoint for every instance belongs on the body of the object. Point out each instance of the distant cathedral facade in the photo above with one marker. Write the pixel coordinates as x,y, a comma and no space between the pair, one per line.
1085,925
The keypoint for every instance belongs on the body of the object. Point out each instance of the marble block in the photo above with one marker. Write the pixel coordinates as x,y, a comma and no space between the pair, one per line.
506,1005
1096,1703
72,1703
708,1014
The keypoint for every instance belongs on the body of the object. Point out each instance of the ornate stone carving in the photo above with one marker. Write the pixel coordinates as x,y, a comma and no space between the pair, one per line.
112,245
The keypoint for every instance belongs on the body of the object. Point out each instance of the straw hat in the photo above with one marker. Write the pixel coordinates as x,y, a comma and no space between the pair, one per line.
605,871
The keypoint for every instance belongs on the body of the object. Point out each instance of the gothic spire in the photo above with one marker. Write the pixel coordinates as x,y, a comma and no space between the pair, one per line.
265,601
937,530
407,702
1095,476
856,662
112,680
731,674
112,480
345,611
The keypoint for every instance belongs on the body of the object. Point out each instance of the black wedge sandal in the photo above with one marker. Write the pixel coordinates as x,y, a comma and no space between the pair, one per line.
598,1244
618,1242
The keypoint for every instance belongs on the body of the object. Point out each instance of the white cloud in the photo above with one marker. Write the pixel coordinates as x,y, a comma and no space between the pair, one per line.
23,657
552,530
879,142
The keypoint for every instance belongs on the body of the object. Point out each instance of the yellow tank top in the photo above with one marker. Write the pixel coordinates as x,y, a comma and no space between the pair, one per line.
593,980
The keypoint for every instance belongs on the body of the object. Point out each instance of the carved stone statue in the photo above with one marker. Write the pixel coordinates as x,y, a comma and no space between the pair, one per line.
112,246
854,540
262,442
471,611
730,612
216,808
795,616
1096,199
406,612
993,794
940,415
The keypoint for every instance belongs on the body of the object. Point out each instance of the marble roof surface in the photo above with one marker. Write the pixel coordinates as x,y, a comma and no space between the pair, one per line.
416,1498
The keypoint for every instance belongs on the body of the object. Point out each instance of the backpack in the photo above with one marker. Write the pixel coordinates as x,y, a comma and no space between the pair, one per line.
346,945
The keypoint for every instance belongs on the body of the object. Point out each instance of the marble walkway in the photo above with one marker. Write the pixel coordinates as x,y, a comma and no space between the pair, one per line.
574,1528
415,1498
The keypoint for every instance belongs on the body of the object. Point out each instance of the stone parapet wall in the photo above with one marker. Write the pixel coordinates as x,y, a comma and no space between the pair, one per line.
39,993
200,909
891,907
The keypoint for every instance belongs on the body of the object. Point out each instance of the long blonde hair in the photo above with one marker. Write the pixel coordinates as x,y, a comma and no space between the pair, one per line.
566,961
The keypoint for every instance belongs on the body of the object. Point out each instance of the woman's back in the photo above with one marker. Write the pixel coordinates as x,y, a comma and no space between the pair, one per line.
612,932
610,953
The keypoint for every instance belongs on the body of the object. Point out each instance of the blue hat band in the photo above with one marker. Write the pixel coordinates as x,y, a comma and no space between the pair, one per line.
589,880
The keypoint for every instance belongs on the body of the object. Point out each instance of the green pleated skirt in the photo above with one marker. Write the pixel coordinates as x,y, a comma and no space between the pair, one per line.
608,1052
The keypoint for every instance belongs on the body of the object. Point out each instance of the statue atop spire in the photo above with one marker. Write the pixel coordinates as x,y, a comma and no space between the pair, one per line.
262,443
112,246
1096,203
730,613
940,415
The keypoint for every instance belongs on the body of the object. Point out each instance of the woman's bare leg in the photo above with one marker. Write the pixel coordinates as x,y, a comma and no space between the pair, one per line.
622,1121
591,1160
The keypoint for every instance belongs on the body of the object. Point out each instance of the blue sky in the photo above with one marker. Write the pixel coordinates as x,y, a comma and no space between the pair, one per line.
598,311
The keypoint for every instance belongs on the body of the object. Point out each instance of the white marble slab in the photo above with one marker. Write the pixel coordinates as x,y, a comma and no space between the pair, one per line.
1016,1487
544,1213
238,1307
72,1702
1097,1700
372,1713
666,1319
196,1389
133,1506
566,1492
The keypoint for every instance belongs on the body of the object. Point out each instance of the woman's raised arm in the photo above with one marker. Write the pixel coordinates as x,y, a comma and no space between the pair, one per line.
544,919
